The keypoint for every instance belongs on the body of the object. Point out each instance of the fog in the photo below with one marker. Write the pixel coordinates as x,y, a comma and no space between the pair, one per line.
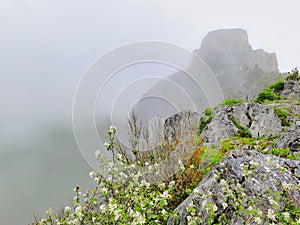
47,46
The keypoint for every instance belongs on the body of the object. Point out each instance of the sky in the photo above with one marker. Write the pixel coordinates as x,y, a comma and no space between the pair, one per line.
46,47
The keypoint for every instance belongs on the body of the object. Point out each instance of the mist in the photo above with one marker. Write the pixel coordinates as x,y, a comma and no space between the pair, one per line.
47,46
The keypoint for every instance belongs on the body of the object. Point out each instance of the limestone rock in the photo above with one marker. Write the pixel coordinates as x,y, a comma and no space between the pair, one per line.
230,48
219,128
181,124
290,140
265,121
238,178
260,120
291,90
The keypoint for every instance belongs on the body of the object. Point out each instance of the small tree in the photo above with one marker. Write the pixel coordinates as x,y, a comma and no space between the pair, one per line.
294,75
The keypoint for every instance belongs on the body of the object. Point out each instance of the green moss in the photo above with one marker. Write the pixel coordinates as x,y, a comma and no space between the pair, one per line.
242,131
280,152
231,102
282,114
203,122
207,111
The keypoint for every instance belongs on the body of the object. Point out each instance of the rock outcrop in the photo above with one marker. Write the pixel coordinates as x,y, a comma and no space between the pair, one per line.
181,124
260,120
241,72
291,90
243,187
230,48
289,140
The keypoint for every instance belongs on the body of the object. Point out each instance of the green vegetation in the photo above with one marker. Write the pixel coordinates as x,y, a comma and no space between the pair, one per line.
294,75
125,192
266,94
282,114
231,102
282,152
242,131
207,111
203,122
277,86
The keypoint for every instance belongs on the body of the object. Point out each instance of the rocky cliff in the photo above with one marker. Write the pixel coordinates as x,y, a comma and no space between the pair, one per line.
230,48
257,182
243,188
241,72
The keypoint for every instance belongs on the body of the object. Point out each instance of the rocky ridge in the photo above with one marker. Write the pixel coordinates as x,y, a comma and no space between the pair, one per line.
248,185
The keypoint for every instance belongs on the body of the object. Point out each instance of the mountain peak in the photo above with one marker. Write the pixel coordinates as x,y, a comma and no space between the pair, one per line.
228,48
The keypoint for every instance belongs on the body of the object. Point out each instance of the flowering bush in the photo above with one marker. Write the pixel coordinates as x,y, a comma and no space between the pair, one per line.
128,193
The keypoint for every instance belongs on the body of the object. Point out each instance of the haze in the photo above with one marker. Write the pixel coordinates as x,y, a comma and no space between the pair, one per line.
45,48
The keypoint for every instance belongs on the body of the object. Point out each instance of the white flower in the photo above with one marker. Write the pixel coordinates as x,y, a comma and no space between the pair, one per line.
257,220
163,211
162,185
259,212
225,205
286,215
112,129
223,182
147,164
191,205
67,209
97,153
272,201
196,190
165,195
172,184
286,185
78,211
102,208
255,164
214,207
145,183
92,174
271,214
104,190
119,156
106,144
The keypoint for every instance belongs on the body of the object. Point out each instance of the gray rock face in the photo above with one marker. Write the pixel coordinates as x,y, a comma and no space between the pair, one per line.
260,120
291,90
181,124
241,72
230,48
289,140
240,177
264,60
219,128
265,121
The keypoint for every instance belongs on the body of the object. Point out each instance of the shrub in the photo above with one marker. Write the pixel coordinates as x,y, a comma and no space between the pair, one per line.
231,102
266,94
294,75
278,86
282,116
